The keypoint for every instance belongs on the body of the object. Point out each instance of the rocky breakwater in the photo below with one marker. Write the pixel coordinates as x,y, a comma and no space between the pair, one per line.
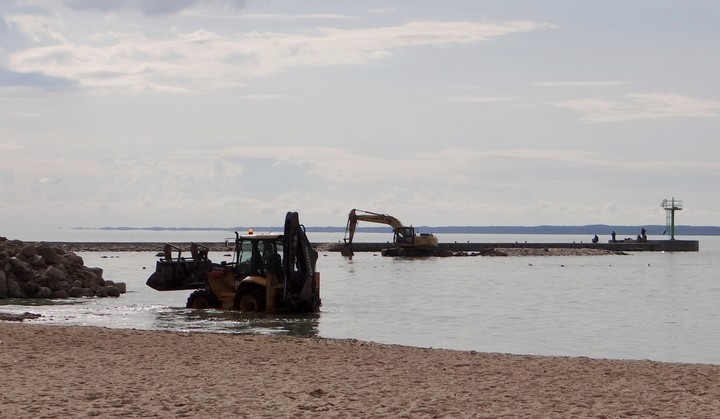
40,270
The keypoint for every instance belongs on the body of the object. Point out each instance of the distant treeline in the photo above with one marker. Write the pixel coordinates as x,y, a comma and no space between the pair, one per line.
599,229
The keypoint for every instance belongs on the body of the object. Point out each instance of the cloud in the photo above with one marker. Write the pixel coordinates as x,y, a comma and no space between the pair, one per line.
578,158
479,99
12,78
321,181
206,60
48,181
605,83
147,7
37,28
283,17
448,166
10,146
265,97
383,11
640,106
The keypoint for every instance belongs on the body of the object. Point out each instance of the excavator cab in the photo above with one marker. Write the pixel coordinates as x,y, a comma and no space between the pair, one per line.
404,235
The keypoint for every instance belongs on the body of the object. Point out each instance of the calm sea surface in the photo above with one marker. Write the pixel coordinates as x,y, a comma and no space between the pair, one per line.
659,306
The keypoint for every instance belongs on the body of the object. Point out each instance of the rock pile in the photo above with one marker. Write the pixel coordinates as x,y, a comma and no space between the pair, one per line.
44,271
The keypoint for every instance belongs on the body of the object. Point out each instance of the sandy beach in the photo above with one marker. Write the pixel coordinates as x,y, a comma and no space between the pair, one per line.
58,371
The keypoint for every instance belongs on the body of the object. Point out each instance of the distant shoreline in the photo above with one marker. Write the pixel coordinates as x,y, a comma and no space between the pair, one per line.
599,229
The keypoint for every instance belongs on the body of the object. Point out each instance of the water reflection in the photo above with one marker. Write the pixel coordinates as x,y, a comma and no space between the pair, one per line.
228,321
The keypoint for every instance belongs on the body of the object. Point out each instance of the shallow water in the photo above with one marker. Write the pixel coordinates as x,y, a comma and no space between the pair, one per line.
660,306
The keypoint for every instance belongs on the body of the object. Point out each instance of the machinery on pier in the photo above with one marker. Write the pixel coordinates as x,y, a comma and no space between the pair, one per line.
405,241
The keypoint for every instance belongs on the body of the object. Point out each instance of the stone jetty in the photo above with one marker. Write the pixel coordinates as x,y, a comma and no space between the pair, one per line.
42,270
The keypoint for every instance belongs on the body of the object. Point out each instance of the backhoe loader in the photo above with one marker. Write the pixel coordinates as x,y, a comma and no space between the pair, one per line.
268,273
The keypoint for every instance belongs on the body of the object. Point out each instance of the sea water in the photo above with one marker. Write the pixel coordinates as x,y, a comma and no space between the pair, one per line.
644,305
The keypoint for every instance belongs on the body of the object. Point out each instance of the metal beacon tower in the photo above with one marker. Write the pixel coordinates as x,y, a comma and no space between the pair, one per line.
671,205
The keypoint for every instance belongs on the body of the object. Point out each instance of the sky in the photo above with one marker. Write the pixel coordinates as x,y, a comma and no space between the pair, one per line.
219,113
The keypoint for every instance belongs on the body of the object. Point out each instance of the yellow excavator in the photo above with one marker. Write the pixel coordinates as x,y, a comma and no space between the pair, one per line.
406,242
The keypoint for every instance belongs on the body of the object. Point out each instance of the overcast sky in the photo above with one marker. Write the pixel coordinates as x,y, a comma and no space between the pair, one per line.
230,113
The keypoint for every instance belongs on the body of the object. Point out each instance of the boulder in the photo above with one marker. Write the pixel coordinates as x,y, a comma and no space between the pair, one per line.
75,292
60,294
48,253
37,262
72,262
89,283
44,292
84,274
121,287
31,288
14,289
53,272
23,270
111,291
97,271
58,285
28,251
3,285
52,276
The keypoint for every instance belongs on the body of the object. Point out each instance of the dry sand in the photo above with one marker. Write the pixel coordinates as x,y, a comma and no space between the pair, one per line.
56,371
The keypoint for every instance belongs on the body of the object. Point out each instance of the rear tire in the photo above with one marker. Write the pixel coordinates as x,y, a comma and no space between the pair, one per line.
250,299
202,299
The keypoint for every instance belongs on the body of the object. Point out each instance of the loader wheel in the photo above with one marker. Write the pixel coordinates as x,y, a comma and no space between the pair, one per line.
202,299
250,299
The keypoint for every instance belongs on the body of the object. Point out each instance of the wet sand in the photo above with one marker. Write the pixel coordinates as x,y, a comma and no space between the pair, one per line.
57,371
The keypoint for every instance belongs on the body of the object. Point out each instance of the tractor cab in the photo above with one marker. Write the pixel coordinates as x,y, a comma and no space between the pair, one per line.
258,255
